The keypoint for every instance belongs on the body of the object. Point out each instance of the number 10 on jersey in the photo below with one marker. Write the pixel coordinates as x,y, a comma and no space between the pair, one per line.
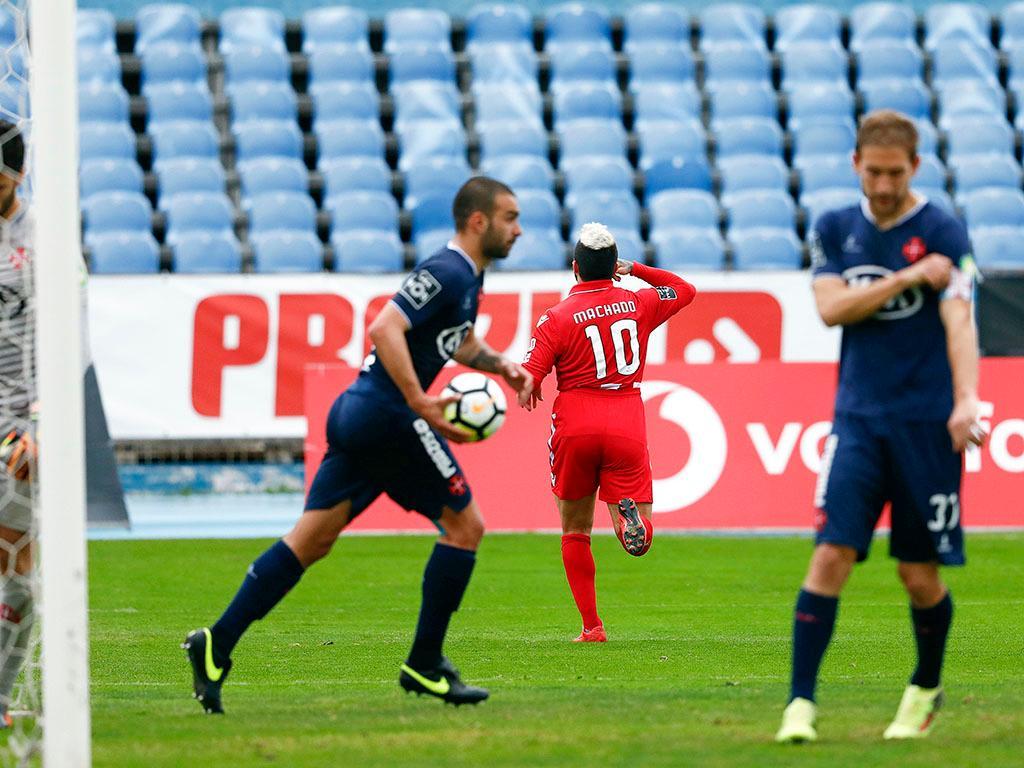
620,330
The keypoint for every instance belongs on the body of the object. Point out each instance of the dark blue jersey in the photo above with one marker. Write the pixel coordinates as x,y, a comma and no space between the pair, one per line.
893,364
440,299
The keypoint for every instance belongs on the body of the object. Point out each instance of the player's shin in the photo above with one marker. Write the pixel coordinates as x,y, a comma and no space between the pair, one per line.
445,579
813,622
931,628
580,571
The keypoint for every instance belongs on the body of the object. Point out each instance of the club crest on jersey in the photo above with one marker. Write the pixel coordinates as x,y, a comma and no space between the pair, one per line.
666,292
914,249
18,257
419,288
450,339
898,307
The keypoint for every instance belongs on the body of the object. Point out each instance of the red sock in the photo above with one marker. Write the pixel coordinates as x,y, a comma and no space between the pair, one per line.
579,570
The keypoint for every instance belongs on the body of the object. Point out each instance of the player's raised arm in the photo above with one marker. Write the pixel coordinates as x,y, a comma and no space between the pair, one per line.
477,353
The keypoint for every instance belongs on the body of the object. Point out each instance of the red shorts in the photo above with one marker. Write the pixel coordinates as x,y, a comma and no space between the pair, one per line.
599,440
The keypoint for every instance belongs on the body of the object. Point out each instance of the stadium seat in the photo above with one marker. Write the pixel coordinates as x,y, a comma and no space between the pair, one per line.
500,138
824,171
998,247
110,140
616,210
930,173
169,62
761,208
539,210
815,63
885,59
661,63
178,101
363,210
207,253
262,100
540,250
158,24
587,101
664,101
208,211
747,136
254,62
367,251
744,172
95,28
106,175
520,172
426,100
993,208
421,62
939,197
577,22
521,103
94,64
674,208
873,22
743,99
581,62
14,101
285,251
416,26
504,63
123,253
102,103
689,249
330,64
117,210
629,245
335,26
911,97
435,176
967,97
267,139
337,100
498,23
824,138
817,102
765,248
655,24
431,212
184,138
352,174
927,136
430,138
272,174
1011,23
251,27
732,23
188,174
975,135
588,174
736,61
829,199
664,139
271,211
677,173
430,242
949,22
591,137
964,60
807,22
349,138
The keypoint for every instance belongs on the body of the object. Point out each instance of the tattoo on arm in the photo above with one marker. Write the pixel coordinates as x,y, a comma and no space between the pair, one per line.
485,360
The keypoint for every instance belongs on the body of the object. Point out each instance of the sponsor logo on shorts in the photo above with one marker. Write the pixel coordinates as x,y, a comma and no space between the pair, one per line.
666,293
434,449
457,486
419,288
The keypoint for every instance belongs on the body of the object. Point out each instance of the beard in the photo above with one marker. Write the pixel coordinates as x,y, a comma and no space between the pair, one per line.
493,247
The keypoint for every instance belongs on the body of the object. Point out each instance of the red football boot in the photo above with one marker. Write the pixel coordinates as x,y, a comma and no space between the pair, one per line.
594,635
635,531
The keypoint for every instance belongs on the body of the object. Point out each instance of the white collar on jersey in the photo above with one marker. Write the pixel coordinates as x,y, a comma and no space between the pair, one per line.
472,264
920,202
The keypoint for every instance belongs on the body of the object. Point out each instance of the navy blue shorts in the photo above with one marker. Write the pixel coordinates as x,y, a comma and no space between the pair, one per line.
374,447
870,461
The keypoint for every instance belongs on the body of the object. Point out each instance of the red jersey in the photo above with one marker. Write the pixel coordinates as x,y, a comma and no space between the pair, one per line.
596,337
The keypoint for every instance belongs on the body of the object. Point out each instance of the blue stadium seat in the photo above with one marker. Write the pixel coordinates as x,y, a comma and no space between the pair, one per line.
173,101
277,138
426,100
655,24
169,62
328,64
188,174
262,100
95,28
664,139
270,211
591,137
825,171
817,102
815,63
355,174
661,63
251,27
747,136
504,63
422,62
102,103
616,210
674,208
517,102
207,253
732,23
338,100
745,172
430,242
501,138
184,138
761,208
285,251
367,251
123,253
158,24
272,174
927,136
587,101
689,249
416,26
743,99
349,138
976,135
110,140
629,245
997,207
363,210
95,176
885,59
824,137
966,97
765,248
828,199
873,22
582,62
539,210
807,22
576,22
430,138
948,22
964,60
521,172
910,97
208,211
94,64
117,210
252,62
939,197
998,247
539,250
498,23
588,174
17,58
435,176
1011,23
930,173
14,101
736,61
677,173
663,101
431,213
335,26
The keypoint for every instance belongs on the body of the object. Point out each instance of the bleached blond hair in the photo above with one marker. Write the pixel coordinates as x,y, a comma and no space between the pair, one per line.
596,236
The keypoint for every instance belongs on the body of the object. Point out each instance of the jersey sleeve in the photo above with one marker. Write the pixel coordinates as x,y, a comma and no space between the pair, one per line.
669,294
542,349
825,256
953,241
425,292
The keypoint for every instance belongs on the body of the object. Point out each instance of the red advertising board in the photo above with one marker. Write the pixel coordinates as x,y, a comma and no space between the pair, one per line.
733,447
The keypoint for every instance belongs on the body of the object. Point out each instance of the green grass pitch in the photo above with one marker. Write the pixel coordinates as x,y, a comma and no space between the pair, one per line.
695,672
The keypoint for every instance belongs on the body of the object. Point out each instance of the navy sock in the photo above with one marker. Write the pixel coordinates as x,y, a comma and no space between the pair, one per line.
444,582
267,580
931,628
814,619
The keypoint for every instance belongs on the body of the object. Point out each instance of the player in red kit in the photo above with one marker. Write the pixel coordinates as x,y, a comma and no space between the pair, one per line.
596,340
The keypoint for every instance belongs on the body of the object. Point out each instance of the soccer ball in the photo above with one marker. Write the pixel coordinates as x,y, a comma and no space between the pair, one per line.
481,408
